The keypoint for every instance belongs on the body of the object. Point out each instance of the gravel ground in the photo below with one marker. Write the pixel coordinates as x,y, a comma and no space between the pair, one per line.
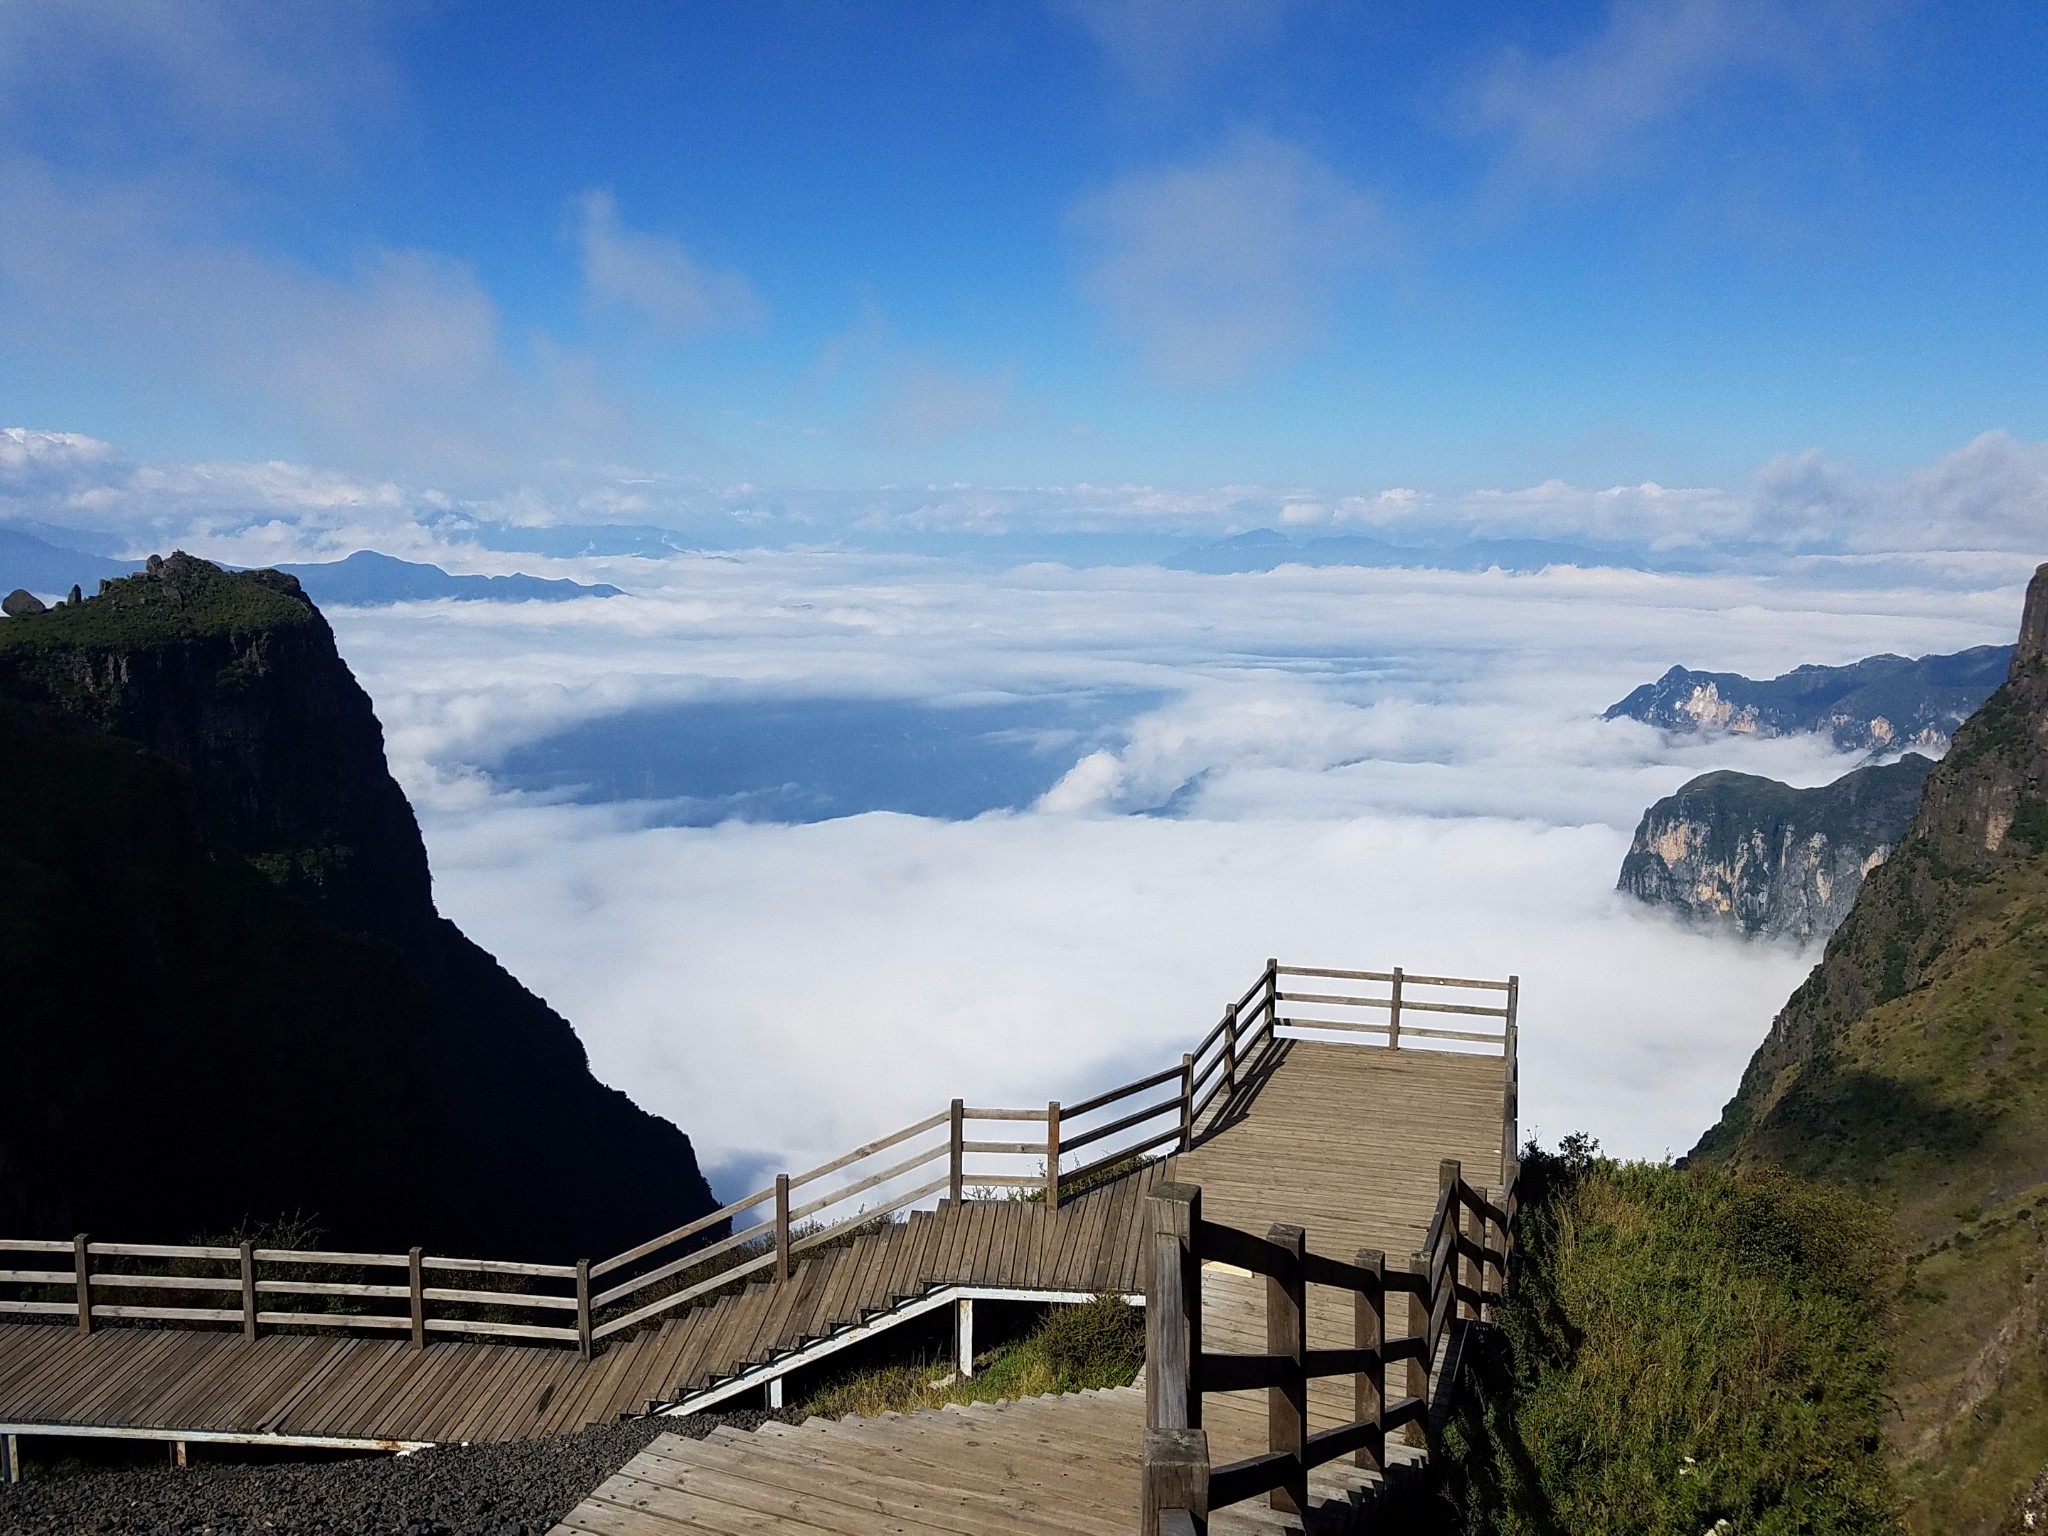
517,1488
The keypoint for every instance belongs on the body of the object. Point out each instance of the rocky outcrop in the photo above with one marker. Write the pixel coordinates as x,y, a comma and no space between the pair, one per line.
1879,704
1912,1066
1767,860
1983,814
217,931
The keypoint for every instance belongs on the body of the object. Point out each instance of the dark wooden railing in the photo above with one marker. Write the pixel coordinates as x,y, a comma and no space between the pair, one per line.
1459,1273
264,1283
961,1152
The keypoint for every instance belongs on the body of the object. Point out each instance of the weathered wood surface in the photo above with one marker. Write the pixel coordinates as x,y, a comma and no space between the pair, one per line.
1051,1466
389,1390
1343,1141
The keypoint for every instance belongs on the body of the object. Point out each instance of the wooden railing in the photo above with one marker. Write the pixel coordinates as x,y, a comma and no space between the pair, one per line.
1459,1272
961,1152
264,1282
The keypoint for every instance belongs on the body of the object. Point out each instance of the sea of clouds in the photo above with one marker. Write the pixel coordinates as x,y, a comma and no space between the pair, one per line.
1343,767
877,799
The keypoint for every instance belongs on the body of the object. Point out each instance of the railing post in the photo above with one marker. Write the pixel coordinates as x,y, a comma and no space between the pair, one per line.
781,1228
1493,1275
1511,1091
1229,1053
1473,1269
1187,1101
1173,1310
416,1273
957,1138
249,1292
1394,1014
1449,1174
583,1308
1507,1238
1272,996
1052,1155
1175,1477
1287,1337
1369,1331
1418,1328
81,1271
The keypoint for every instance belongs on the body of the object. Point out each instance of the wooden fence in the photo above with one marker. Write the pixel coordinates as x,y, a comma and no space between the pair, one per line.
1459,1272
960,1152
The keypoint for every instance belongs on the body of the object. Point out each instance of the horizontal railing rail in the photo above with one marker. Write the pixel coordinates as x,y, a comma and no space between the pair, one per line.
958,1153
268,1288
1459,1273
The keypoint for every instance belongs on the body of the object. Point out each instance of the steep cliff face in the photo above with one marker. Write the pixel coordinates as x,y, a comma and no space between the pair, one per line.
280,911
1879,704
1912,1065
1771,861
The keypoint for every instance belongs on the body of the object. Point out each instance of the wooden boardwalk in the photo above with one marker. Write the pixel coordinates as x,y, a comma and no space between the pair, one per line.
1050,1466
197,1384
1277,1121
1344,1142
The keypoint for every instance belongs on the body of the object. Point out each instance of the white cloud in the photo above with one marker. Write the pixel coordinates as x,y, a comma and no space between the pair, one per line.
657,278
161,75
1990,494
1386,767
401,364
1976,512
1213,268
1168,45
1568,118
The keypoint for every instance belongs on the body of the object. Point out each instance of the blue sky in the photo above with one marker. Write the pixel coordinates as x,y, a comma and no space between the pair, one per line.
831,289
524,251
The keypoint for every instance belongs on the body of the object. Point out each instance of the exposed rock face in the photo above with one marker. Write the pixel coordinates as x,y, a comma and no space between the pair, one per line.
226,943
1912,1065
1879,704
1766,859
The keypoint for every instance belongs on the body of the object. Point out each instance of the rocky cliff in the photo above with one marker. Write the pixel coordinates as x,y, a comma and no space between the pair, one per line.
1912,1065
230,995
1768,860
1879,704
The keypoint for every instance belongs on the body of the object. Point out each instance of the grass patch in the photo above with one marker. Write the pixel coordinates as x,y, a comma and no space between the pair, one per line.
1682,1347
1098,1344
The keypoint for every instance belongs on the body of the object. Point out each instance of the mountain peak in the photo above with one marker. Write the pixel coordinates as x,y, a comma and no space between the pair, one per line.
2033,642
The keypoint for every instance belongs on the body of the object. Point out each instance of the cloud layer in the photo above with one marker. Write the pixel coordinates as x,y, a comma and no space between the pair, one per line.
1360,766
1980,508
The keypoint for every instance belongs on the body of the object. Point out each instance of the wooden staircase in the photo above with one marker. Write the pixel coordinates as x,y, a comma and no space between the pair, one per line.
978,1248
1278,1112
1048,1466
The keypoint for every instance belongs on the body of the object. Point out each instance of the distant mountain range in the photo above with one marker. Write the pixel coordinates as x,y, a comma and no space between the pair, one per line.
1879,704
1267,549
365,579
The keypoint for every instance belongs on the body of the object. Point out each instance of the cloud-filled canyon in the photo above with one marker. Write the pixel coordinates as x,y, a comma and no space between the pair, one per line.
1073,811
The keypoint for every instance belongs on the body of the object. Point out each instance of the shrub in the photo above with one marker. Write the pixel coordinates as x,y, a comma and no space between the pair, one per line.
1682,1347
1099,1344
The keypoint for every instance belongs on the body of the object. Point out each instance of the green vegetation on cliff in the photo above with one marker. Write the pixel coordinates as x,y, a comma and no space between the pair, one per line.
1682,1347
1912,1067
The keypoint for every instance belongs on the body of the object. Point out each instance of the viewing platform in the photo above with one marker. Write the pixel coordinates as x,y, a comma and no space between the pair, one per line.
1358,1107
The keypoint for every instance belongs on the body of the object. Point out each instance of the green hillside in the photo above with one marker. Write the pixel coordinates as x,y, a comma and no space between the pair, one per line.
1912,1067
